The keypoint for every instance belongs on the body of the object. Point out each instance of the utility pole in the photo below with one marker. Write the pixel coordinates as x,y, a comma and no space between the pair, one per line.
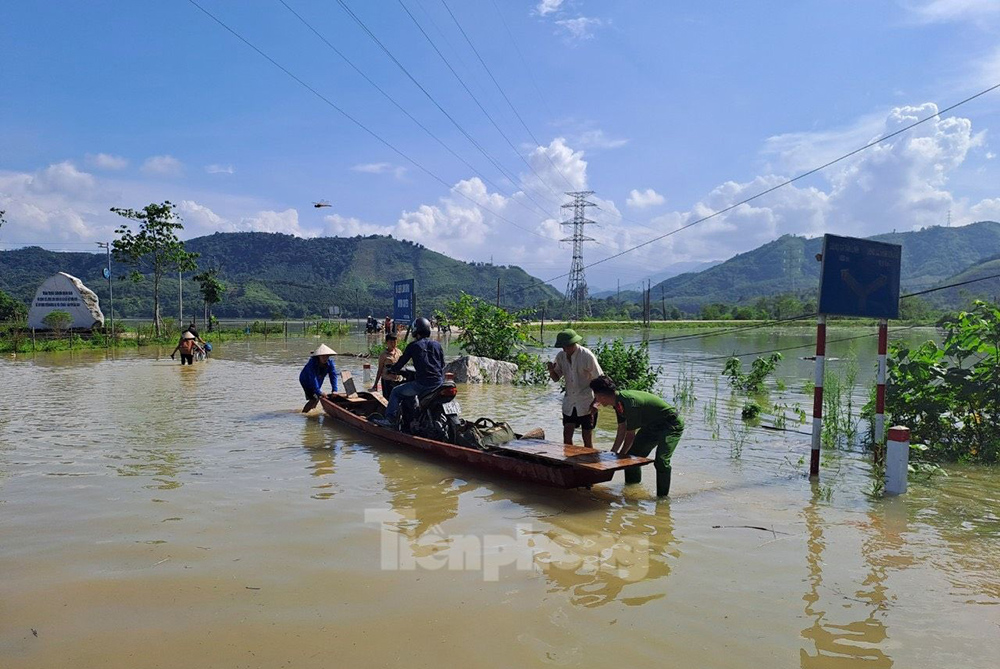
357,301
663,303
498,292
180,299
111,292
576,288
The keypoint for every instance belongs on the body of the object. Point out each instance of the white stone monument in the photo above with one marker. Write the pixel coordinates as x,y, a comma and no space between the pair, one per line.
63,292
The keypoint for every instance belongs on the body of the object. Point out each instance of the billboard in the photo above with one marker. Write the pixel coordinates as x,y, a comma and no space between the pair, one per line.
403,301
859,277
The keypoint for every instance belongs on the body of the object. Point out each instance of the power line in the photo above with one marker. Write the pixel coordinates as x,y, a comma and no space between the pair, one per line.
499,88
471,94
787,182
400,107
507,173
531,75
358,123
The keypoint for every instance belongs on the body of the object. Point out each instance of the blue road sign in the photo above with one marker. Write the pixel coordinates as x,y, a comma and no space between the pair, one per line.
403,298
859,277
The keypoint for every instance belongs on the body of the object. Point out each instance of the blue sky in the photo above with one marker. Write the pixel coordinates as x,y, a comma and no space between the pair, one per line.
668,110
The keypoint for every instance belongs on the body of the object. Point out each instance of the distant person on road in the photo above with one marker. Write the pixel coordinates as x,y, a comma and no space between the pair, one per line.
428,361
390,356
388,325
188,345
319,367
577,366
645,422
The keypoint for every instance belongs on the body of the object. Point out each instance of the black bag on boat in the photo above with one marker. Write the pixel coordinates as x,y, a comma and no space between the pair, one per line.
484,434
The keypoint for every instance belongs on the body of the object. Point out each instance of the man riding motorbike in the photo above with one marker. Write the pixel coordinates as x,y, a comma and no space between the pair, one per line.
428,360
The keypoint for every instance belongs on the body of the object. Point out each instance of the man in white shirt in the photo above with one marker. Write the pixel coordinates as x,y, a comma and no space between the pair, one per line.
578,366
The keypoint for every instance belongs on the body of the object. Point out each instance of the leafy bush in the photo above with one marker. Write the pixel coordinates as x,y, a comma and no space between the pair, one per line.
949,395
58,320
487,330
752,382
627,365
531,370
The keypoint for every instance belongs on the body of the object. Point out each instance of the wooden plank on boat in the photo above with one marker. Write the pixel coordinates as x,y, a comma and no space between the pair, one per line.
349,388
577,456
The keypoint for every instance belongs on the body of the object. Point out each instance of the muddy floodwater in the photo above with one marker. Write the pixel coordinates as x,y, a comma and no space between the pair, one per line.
159,516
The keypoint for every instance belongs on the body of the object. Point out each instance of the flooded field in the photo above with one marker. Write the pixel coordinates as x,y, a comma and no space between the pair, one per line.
159,516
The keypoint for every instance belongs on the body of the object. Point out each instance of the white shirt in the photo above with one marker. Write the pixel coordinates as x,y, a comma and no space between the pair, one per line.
578,372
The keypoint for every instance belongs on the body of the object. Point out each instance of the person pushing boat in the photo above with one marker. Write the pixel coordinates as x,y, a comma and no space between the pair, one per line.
578,366
314,373
428,361
645,422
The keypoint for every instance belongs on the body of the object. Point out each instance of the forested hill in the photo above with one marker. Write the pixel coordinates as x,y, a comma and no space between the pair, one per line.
270,274
788,265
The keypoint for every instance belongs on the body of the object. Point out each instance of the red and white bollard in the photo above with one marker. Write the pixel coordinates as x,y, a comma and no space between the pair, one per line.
897,460
817,431
366,374
883,343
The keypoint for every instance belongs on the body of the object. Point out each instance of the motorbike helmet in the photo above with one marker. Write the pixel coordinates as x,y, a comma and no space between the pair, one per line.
421,327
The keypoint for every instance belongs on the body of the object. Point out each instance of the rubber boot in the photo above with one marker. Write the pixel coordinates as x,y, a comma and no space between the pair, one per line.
663,483
633,475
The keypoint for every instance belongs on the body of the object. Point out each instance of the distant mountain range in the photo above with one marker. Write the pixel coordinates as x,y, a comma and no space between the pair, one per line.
269,274
931,257
673,270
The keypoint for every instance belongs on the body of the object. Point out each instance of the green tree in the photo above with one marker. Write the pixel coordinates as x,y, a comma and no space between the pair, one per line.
487,330
11,309
57,320
154,249
212,291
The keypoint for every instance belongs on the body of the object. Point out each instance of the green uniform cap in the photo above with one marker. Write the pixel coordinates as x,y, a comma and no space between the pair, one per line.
567,337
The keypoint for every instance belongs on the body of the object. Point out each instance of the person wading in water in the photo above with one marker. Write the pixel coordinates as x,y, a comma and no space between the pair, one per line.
645,422
187,346
578,366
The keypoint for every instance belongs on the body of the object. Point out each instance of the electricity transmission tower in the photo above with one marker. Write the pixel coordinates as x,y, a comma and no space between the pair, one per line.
576,288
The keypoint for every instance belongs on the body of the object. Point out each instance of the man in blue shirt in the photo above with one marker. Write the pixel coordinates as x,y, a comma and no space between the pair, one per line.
313,375
428,360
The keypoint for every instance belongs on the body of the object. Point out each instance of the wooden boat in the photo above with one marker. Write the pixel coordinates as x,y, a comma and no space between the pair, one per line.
533,460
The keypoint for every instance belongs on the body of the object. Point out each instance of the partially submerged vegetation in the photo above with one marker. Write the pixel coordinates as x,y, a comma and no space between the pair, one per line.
949,394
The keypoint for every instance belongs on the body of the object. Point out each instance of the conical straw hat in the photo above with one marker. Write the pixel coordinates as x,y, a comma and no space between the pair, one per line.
323,350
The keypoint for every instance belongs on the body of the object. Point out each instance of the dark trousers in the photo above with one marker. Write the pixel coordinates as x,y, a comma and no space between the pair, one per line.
664,438
387,387
187,358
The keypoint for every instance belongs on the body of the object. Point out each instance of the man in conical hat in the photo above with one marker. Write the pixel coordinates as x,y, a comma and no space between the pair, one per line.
313,375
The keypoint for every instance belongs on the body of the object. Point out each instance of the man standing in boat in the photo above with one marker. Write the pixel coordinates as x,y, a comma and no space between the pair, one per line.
313,375
645,422
428,360
578,366
390,356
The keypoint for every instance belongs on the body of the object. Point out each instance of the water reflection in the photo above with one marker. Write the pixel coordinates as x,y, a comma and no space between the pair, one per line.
324,448
596,562
854,643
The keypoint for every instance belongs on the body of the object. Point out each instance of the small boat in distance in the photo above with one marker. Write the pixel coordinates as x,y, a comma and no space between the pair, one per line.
538,461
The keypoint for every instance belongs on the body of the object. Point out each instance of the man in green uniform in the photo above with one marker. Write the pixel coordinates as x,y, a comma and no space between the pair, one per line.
645,422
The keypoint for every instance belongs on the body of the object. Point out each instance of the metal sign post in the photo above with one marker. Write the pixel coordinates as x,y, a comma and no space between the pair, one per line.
859,278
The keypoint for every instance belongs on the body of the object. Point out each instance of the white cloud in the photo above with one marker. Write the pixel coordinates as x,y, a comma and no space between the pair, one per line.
341,226
643,199
597,139
546,7
164,166
940,11
380,168
286,222
581,28
219,169
106,161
